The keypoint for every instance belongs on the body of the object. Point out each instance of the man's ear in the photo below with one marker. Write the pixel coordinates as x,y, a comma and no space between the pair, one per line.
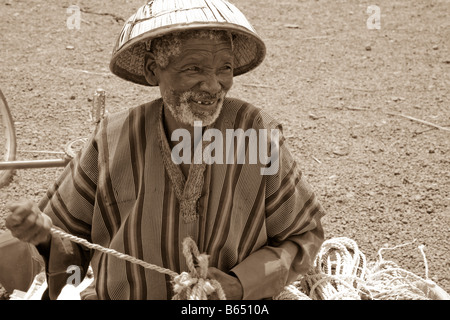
149,69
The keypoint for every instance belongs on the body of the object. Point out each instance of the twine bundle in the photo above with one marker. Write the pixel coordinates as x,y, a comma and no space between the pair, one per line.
292,292
337,273
341,272
387,281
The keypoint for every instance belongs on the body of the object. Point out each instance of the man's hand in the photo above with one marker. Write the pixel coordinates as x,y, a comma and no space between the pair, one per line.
230,285
27,223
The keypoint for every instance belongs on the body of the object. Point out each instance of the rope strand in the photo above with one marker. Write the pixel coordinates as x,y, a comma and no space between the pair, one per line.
112,252
187,286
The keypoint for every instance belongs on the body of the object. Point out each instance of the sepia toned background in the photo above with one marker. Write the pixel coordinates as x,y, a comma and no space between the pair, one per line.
350,93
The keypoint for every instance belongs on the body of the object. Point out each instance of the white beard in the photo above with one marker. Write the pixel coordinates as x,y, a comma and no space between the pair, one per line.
184,114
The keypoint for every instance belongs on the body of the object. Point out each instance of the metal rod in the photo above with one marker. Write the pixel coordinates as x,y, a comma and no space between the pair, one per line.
33,164
41,151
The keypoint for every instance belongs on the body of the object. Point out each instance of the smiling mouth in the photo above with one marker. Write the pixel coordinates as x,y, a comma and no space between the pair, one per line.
206,103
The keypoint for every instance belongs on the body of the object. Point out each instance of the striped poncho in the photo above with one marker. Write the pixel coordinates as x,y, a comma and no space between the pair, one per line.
264,229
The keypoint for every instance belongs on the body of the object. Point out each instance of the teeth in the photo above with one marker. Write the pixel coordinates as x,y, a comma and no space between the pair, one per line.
207,103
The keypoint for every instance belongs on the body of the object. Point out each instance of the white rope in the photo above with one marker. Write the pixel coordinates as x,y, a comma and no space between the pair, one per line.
421,248
340,272
192,285
195,285
112,252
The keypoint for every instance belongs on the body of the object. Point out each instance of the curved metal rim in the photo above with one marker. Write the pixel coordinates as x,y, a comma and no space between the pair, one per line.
10,138
70,150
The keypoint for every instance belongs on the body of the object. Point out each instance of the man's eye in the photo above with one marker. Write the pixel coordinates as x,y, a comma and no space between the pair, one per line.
193,68
227,68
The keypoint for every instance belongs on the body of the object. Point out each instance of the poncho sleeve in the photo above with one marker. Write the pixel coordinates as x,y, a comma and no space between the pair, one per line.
69,202
294,228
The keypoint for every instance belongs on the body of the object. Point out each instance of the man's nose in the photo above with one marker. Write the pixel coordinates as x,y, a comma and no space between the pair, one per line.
211,84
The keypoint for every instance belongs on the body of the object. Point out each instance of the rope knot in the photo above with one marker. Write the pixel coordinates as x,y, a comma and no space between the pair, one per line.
194,285
182,281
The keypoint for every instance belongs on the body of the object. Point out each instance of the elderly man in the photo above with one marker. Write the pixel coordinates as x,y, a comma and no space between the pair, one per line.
126,190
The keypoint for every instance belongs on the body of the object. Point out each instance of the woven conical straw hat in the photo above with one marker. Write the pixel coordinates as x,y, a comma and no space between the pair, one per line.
161,17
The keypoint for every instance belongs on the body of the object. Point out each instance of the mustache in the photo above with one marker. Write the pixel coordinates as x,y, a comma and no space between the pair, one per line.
191,95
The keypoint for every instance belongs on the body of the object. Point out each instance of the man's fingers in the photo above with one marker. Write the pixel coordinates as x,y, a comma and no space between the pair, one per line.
28,234
21,223
20,205
40,232
12,221
27,223
20,210
36,237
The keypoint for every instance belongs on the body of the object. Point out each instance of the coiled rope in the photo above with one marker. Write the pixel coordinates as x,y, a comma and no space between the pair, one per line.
341,272
192,285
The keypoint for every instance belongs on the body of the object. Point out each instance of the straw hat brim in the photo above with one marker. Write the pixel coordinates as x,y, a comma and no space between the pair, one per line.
128,62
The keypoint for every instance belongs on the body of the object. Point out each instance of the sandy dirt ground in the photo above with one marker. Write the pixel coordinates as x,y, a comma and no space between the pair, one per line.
339,86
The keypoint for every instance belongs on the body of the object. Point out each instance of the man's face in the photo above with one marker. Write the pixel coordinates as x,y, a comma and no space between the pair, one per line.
194,83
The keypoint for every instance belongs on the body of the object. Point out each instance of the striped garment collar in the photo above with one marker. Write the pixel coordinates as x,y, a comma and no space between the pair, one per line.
187,191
